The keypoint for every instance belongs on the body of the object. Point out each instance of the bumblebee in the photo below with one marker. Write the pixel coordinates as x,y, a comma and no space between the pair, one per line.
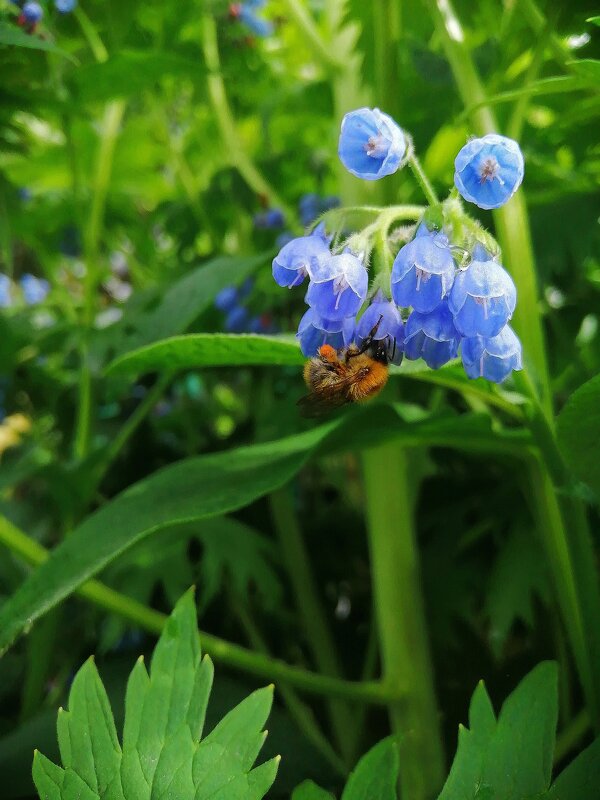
350,375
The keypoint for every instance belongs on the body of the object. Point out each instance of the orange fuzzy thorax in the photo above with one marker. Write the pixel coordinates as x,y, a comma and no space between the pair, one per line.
372,382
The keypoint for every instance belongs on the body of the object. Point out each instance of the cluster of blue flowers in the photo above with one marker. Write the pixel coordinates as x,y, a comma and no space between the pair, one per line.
33,290
238,319
246,13
32,12
453,308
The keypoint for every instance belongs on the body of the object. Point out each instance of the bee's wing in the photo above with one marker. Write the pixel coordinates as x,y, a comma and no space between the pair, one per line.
327,398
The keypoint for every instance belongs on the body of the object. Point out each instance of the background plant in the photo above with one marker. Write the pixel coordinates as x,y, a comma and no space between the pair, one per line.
146,449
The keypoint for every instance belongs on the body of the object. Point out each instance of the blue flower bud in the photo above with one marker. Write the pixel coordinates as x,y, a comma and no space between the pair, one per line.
371,144
314,331
236,320
482,299
284,238
34,289
338,287
65,6
299,258
309,208
489,170
257,24
267,220
494,357
390,327
432,337
423,272
227,298
32,12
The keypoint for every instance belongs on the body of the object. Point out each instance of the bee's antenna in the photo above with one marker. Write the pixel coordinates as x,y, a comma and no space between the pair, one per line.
368,341
393,349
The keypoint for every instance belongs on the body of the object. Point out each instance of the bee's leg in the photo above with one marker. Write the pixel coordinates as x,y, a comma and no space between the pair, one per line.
367,342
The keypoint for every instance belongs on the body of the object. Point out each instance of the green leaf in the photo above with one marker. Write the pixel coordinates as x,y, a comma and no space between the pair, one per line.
310,791
594,20
212,485
518,575
209,350
129,72
510,757
10,35
180,305
581,779
376,774
578,433
162,753
588,68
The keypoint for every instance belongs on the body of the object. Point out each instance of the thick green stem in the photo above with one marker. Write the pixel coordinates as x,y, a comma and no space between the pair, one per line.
562,524
401,621
224,117
318,634
220,650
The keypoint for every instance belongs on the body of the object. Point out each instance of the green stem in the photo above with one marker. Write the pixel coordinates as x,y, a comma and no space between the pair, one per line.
220,650
422,179
231,137
311,35
298,710
318,634
401,620
570,737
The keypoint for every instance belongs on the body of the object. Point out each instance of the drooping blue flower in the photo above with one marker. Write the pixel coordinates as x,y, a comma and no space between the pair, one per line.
5,293
236,320
34,289
269,219
227,298
489,170
32,12
423,272
494,357
390,327
432,337
338,287
314,331
482,299
371,145
299,258
65,6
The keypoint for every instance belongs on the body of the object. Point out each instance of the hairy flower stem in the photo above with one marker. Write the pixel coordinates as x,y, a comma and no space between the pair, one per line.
318,634
224,652
562,521
401,621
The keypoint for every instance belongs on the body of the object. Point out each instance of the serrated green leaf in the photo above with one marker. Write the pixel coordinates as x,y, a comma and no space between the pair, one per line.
161,754
578,432
310,791
376,774
209,350
511,757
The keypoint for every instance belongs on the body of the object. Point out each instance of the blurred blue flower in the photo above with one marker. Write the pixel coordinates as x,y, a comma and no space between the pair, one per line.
390,327
246,14
338,287
494,357
34,289
5,293
489,170
482,299
70,243
227,298
262,323
314,331
284,238
432,337
311,205
65,6
25,194
236,320
299,258
371,145
269,219
423,271
32,12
